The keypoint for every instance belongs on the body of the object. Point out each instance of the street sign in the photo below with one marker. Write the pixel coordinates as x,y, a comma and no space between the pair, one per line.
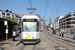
6,31
5,22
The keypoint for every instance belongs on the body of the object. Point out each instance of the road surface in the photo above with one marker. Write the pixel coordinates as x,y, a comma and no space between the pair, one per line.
48,42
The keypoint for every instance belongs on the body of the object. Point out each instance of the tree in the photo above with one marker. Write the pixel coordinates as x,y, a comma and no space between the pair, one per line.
13,19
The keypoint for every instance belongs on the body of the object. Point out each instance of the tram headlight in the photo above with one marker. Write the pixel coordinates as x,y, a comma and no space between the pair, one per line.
32,37
25,37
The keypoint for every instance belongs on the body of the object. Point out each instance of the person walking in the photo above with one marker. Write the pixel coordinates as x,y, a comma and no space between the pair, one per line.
19,35
14,35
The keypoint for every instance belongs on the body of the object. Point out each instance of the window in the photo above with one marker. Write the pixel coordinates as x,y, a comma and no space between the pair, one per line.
3,13
29,26
71,22
8,14
73,14
12,15
3,16
74,18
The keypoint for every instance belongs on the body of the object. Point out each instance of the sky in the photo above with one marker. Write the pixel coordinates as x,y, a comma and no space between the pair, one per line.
45,8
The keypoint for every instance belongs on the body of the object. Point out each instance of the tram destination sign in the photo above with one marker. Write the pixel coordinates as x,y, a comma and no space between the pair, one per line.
29,20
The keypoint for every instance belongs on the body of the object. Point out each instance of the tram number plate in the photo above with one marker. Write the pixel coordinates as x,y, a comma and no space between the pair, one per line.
29,36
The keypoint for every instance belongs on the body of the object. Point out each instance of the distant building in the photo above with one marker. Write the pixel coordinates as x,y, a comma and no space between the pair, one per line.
20,14
56,22
41,24
46,27
50,20
51,24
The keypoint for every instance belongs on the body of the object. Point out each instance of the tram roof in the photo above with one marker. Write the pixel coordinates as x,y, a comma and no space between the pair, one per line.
30,16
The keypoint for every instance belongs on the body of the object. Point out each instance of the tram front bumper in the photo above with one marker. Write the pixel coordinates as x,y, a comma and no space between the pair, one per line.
30,41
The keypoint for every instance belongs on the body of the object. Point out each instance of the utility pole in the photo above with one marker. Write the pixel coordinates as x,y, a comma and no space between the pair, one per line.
6,23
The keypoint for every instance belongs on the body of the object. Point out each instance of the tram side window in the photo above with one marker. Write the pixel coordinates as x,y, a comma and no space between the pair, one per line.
37,26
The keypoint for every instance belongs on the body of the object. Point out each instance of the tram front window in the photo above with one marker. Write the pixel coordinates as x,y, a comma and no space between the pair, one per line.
29,26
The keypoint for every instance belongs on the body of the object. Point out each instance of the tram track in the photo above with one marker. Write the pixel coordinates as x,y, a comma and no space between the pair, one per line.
56,42
25,47
29,47
63,41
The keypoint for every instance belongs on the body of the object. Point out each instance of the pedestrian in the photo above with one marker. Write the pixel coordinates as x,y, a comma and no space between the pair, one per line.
62,33
19,35
14,35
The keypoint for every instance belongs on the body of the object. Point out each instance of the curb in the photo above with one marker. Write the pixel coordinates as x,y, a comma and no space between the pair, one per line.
15,45
11,46
64,38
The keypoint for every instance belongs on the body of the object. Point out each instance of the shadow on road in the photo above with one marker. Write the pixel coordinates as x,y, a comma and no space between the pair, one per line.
33,43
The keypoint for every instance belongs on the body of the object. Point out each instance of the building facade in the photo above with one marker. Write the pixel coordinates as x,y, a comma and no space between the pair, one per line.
11,24
67,21
56,22
46,27
41,25
51,24
6,14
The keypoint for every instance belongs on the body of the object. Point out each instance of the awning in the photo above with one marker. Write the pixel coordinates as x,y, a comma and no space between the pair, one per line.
2,19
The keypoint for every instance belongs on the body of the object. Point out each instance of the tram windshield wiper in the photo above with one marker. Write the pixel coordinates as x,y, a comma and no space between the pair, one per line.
27,29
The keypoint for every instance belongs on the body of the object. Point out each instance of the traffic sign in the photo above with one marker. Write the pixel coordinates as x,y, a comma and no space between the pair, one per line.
5,22
6,31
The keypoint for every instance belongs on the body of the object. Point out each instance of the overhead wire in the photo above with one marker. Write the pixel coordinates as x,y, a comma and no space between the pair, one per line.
30,3
59,5
47,3
56,10
46,7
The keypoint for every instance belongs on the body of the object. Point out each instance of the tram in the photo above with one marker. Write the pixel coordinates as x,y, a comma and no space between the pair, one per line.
30,29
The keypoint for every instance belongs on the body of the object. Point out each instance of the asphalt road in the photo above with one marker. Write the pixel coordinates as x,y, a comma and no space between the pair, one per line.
48,42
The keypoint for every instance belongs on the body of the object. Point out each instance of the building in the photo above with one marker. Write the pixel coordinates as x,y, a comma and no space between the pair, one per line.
56,22
41,24
6,13
11,24
67,21
20,14
46,27
51,24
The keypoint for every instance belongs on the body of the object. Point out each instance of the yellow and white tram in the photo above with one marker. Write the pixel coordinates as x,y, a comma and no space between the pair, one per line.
30,29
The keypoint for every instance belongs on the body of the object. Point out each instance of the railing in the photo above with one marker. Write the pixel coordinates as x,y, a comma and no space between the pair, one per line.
67,35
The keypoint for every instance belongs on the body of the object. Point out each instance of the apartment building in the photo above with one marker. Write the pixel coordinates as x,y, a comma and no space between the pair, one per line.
67,21
56,22
6,13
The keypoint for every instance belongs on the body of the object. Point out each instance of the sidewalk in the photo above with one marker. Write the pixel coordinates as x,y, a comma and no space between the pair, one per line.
64,38
9,45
